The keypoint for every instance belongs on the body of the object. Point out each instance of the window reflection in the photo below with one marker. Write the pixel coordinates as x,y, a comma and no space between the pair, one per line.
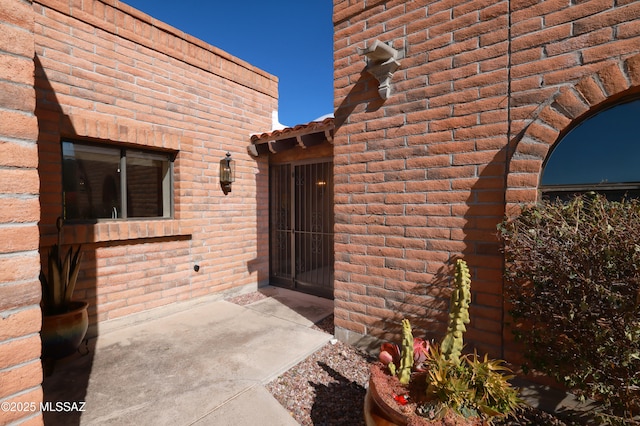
91,182
112,183
601,153
144,185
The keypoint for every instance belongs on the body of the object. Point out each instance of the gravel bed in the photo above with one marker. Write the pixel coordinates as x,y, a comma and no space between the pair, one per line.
328,387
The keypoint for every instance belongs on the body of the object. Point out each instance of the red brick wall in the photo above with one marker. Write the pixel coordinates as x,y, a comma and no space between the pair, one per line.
20,318
483,91
106,72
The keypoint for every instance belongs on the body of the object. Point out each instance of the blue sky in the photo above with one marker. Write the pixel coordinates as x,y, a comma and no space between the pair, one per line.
291,39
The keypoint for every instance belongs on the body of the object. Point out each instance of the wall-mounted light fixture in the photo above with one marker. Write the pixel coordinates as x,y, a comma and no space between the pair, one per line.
227,173
382,63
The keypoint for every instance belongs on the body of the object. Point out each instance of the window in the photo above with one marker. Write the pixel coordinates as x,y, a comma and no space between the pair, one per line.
101,182
600,154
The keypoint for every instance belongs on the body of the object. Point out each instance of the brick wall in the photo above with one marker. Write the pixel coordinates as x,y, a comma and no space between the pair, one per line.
20,318
106,72
483,91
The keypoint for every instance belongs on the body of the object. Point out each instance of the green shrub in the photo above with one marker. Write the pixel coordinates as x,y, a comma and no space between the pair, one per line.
573,280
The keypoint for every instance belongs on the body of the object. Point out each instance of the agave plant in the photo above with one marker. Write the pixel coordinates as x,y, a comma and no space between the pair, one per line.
60,282
469,387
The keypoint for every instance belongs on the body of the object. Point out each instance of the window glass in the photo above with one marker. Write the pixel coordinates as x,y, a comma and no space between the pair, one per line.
91,181
112,183
601,153
145,177
603,148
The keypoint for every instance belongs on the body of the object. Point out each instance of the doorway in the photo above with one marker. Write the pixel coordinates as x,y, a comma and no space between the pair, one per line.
301,226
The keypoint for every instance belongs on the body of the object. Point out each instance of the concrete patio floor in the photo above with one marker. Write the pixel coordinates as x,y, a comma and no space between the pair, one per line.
205,365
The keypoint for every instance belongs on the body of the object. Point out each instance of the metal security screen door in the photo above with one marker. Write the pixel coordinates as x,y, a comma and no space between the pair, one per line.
301,204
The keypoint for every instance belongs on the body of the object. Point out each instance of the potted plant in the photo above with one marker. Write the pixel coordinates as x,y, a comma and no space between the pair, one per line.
429,384
64,321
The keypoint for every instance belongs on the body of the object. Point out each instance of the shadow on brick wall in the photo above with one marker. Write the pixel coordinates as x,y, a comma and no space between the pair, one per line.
423,302
364,91
473,236
260,264
60,384
485,209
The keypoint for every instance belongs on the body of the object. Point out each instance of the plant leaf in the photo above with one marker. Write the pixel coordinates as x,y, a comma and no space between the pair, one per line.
55,279
73,277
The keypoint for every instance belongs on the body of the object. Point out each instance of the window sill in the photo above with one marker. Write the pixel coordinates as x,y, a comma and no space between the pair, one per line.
120,230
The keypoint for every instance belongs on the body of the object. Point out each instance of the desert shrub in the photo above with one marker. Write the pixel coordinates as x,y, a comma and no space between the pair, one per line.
573,280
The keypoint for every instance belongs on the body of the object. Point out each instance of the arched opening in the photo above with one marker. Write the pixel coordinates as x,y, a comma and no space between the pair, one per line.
600,153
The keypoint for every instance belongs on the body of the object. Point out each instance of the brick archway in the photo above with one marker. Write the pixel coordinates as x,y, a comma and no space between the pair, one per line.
609,83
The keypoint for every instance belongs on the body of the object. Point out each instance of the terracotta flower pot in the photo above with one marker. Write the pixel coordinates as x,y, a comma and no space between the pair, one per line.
379,413
62,334
382,409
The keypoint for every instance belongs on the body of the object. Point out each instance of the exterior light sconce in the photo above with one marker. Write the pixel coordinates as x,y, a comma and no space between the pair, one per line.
381,63
322,185
227,173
